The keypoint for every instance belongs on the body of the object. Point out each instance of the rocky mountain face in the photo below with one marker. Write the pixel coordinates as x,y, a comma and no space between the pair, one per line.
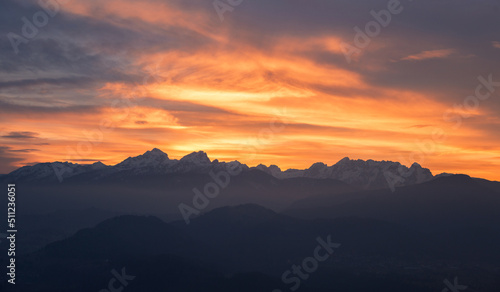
368,174
151,162
50,171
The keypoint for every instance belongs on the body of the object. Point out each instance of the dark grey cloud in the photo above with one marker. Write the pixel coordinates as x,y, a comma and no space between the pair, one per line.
77,50
21,135
7,160
468,27
85,53
73,56
49,81
182,106
8,107
24,150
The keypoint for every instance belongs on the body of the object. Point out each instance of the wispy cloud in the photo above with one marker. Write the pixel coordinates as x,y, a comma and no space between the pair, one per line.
21,135
7,161
203,84
433,54
24,150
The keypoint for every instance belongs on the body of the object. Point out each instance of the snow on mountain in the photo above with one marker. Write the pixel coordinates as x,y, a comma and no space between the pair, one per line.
98,165
199,158
154,160
378,174
444,174
368,174
52,171
38,171
157,161
193,162
273,170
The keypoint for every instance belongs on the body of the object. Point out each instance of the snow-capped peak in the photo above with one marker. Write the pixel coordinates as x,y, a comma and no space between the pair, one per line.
199,157
416,165
365,174
156,152
273,170
344,160
150,159
98,165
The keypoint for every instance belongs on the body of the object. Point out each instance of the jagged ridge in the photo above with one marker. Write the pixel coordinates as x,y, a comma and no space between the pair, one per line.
368,174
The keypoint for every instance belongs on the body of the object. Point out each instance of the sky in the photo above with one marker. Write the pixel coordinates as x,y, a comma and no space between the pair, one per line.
279,82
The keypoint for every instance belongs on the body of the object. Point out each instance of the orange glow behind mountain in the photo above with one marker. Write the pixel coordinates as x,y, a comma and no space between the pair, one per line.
236,99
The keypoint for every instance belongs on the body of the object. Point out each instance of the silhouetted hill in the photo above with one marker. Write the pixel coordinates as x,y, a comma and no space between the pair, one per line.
153,273
452,200
41,229
161,194
234,248
157,254
458,216
124,236
251,237
493,185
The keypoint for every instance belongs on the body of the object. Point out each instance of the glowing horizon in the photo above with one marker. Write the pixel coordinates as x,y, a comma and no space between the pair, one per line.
173,76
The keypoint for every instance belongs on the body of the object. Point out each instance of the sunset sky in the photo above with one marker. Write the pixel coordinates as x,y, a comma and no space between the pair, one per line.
269,83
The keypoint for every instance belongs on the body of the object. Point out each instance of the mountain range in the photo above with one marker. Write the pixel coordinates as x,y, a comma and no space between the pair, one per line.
248,247
368,174
81,222
152,183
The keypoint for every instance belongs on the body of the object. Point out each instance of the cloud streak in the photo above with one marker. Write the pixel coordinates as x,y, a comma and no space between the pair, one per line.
169,74
432,54
20,135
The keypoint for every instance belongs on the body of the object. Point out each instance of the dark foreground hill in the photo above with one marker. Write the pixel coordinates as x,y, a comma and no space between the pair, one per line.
250,248
447,202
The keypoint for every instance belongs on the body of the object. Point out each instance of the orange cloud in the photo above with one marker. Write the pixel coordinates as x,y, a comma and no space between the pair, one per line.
225,95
